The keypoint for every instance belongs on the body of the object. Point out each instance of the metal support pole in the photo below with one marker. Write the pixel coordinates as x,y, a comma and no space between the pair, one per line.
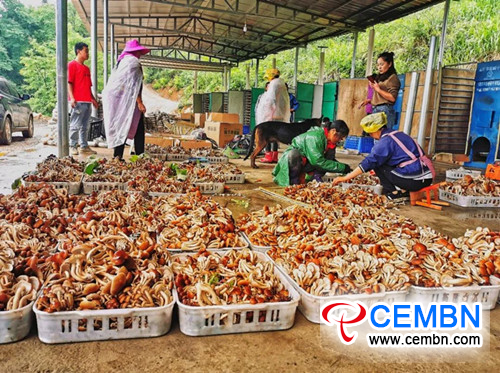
296,69
256,73
228,79
93,39
410,107
274,62
223,80
112,45
443,33
427,93
432,140
195,82
247,86
105,41
369,55
354,49
62,77
321,66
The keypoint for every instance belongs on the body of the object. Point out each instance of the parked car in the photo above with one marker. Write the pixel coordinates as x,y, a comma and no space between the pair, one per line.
15,112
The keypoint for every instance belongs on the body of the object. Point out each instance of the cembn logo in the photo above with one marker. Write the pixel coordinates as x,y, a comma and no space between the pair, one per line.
358,319
401,316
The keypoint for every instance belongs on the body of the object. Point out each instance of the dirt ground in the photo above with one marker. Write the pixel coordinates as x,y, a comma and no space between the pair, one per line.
302,348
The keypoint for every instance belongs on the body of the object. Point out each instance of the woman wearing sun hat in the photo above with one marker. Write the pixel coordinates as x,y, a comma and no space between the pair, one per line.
397,159
122,101
273,105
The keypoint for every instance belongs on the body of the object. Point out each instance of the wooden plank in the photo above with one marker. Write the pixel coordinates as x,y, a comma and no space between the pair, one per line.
430,206
440,203
351,93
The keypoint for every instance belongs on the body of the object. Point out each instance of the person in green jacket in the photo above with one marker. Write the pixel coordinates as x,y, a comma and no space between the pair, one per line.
307,154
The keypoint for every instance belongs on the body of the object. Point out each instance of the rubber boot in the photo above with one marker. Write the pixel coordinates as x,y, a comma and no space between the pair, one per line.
268,158
275,157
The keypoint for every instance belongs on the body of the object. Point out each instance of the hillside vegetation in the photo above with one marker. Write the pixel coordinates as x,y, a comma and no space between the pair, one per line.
27,49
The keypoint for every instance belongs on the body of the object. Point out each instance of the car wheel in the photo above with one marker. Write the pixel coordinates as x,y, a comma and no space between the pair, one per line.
28,134
6,135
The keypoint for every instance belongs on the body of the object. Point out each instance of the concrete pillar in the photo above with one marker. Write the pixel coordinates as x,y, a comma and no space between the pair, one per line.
354,49
369,55
247,86
256,85
296,69
62,77
195,82
321,77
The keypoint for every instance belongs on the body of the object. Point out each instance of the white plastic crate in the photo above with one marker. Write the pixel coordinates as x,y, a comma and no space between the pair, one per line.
221,249
377,189
329,176
217,159
101,186
162,157
468,201
239,318
310,305
16,324
177,157
486,295
70,186
235,178
481,214
210,188
98,325
261,249
459,173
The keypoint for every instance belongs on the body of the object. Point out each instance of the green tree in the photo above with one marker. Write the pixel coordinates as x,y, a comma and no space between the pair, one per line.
15,29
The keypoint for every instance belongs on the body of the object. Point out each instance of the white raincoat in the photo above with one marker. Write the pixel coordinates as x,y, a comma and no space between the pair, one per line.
119,101
274,104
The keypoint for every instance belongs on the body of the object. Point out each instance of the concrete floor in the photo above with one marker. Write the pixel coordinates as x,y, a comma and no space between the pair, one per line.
302,348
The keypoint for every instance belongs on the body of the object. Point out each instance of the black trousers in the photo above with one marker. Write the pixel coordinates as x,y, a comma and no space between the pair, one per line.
272,147
139,139
390,181
295,166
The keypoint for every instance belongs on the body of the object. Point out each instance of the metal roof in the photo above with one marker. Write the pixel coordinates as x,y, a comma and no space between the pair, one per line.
214,29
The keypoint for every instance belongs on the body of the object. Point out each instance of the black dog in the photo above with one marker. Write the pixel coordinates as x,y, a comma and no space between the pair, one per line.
277,131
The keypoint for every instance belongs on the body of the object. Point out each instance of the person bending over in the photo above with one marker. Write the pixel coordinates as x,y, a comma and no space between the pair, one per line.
397,159
307,152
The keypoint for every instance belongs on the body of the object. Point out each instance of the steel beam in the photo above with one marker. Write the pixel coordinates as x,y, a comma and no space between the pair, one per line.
197,24
93,38
296,16
105,41
62,77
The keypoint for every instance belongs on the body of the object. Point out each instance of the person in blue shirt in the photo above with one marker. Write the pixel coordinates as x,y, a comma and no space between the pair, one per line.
396,158
294,105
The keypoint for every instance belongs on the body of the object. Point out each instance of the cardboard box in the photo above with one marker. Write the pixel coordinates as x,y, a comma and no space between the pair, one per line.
160,141
199,119
223,117
195,144
221,132
187,116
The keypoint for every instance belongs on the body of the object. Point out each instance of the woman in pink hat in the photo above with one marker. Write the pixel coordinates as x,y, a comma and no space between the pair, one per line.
122,101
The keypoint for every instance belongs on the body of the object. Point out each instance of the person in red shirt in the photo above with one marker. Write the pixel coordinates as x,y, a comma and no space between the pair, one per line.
80,99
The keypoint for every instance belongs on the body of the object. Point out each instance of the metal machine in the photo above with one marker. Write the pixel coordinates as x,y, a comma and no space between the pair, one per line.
483,136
